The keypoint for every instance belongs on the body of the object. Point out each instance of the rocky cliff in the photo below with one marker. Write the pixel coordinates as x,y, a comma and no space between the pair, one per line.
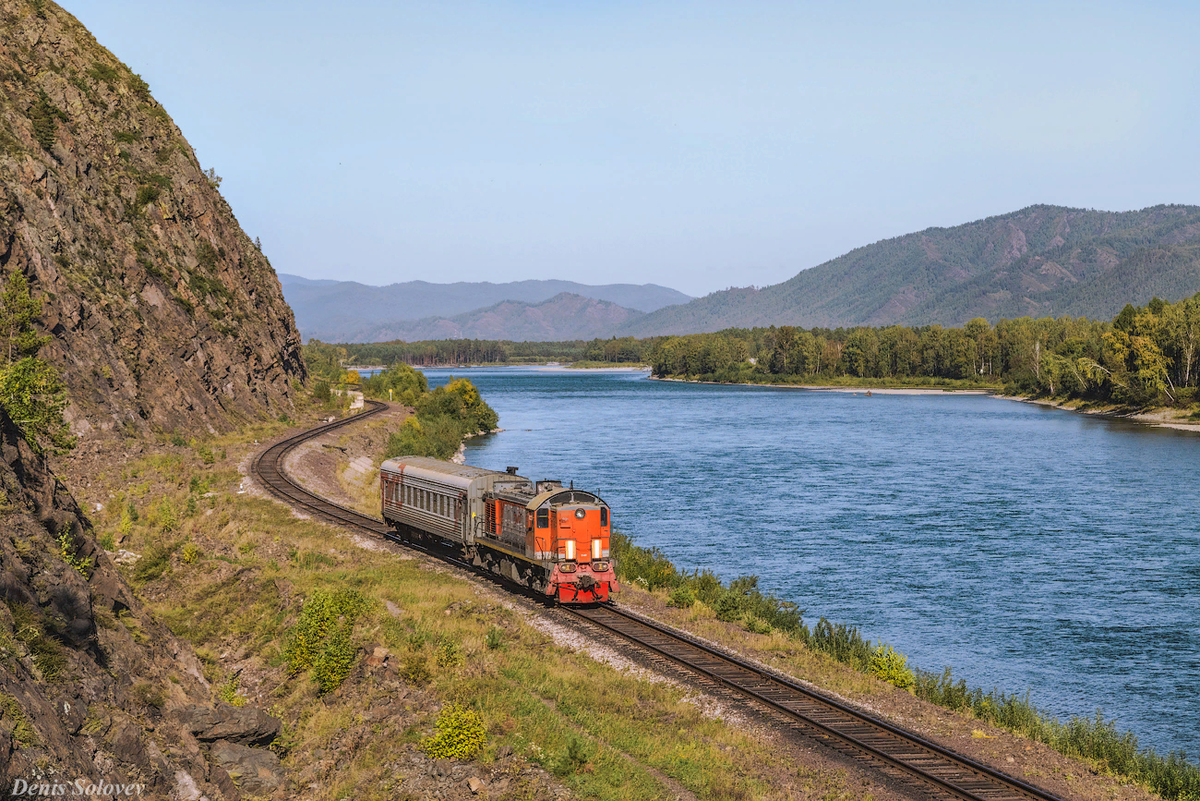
93,689
166,317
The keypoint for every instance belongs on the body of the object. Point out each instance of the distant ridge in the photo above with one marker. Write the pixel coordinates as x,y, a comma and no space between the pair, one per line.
1039,261
347,311
563,317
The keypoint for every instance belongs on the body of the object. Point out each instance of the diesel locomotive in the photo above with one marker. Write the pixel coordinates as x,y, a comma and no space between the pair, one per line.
542,535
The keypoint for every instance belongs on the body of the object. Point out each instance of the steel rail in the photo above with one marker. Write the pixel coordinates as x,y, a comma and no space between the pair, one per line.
950,772
947,771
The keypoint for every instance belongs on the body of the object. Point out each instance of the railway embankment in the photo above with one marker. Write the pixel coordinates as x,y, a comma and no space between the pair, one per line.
420,664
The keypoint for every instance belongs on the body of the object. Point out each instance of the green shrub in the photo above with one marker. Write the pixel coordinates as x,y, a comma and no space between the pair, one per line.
892,666
494,638
649,564
574,759
191,554
416,669
45,651
153,564
682,597
336,659
146,194
728,606
23,733
149,694
321,638
756,625
460,734
68,549
104,73
449,655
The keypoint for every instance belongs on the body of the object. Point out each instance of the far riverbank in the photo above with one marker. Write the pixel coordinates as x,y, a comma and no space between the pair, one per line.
1163,417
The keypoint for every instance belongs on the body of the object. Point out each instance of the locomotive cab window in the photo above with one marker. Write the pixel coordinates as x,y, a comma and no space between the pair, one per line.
543,518
603,515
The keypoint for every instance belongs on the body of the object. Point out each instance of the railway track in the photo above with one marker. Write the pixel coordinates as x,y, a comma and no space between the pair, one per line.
945,772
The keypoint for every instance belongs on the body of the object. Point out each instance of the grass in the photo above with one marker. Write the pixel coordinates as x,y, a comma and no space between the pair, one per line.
604,733
708,599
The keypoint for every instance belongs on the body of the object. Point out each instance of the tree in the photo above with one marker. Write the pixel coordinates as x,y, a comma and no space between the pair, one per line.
31,390
18,310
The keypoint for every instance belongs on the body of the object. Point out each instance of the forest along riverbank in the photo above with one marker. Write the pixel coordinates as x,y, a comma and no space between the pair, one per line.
1180,420
1076,576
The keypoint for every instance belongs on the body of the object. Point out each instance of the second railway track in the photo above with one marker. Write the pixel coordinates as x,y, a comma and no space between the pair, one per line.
945,772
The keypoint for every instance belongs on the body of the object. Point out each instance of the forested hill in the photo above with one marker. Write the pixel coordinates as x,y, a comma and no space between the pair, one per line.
1042,261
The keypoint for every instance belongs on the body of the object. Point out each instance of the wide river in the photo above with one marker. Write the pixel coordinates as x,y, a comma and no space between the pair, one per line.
1030,549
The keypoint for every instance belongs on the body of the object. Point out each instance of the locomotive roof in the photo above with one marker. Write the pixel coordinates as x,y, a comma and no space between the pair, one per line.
561,495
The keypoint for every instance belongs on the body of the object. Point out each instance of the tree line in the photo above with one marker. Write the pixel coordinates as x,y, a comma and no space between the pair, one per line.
1145,356
455,352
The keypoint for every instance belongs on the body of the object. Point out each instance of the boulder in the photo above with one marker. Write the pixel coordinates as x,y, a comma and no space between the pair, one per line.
256,771
246,725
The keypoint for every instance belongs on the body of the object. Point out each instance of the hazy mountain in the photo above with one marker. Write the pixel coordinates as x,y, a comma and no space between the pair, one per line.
1039,261
564,316
345,311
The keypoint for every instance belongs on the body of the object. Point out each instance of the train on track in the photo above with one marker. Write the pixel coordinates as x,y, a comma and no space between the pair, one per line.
541,535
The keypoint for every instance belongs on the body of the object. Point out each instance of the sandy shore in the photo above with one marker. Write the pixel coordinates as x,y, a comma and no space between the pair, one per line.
564,368
1158,418
851,390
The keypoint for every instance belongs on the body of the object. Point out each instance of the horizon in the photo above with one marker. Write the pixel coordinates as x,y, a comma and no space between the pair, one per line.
693,146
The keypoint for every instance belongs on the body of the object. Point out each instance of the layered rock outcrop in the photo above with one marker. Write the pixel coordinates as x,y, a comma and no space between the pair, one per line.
92,688
166,317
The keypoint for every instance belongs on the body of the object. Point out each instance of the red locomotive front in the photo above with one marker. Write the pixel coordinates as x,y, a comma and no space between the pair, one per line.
570,529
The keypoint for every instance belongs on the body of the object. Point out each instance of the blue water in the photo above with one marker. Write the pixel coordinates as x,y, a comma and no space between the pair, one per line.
1028,548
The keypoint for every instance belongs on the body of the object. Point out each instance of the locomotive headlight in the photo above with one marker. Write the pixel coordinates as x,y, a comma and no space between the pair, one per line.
599,567
595,549
580,514
571,550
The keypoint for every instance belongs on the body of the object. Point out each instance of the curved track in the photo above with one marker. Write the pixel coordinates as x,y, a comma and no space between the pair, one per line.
947,773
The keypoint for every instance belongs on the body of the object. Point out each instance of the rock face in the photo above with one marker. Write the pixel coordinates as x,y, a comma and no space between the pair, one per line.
92,688
166,317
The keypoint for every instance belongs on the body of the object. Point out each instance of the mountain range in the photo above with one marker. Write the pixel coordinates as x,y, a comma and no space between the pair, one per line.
1039,261
347,311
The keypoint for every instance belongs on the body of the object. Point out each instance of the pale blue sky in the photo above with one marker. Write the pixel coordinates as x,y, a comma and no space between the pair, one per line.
698,145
